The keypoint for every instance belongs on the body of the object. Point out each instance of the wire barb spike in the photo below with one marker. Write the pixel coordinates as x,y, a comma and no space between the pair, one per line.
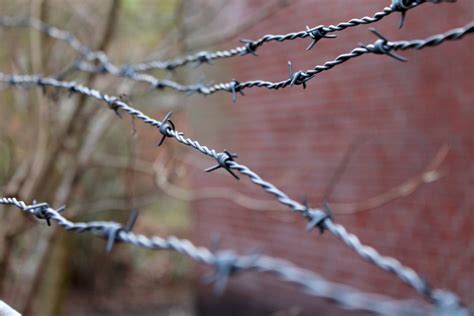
223,159
316,34
382,46
250,47
316,217
402,6
166,126
113,232
115,107
224,267
226,264
234,88
295,76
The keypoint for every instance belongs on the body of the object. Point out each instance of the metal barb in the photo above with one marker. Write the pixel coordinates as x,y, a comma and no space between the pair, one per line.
382,46
113,232
91,56
316,217
295,76
127,71
368,253
203,57
224,267
234,87
222,162
402,19
166,126
316,35
141,76
227,263
115,107
250,47
39,210
402,6
61,209
449,304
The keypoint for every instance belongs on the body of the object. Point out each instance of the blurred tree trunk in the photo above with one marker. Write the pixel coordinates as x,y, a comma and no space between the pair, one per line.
51,275
52,169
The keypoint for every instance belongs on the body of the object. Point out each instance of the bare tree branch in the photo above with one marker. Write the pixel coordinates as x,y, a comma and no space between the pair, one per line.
40,152
196,43
342,166
430,174
158,170
205,15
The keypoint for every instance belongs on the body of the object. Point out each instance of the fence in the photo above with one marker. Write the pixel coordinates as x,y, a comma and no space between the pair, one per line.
227,262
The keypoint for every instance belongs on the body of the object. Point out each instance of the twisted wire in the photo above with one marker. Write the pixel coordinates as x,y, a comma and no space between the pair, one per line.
202,56
105,65
435,40
313,284
135,71
314,215
251,47
301,77
298,78
380,46
315,33
51,31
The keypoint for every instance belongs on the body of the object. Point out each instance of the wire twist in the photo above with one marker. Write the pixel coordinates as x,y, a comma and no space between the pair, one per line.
114,232
135,71
406,274
227,262
381,46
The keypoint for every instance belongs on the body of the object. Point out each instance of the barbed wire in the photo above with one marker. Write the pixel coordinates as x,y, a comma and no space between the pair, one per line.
104,63
227,263
315,33
135,71
317,217
382,46
250,47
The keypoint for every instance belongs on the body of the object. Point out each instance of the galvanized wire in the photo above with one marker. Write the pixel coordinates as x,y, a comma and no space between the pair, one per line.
227,262
135,71
380,46
316,216
51,31
204,56
315,33
104,63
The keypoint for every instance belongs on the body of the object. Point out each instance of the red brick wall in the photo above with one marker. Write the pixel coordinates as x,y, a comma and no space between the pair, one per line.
296,138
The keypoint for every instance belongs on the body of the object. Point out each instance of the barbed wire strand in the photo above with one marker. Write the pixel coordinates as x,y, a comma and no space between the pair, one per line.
314,33
382,46
317,217
104,63
227,262
134,71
